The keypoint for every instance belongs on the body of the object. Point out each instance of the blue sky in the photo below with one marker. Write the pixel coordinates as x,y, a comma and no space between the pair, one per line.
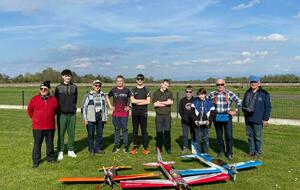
178,39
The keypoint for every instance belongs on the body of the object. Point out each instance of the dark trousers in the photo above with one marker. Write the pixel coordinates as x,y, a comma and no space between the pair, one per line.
120,123
163,127
140,120
224,127
186,129
39,136
95,145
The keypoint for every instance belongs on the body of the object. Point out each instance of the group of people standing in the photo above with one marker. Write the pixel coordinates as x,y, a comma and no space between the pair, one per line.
197,115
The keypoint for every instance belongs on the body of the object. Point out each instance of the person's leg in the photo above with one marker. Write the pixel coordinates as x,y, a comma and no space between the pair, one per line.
99,133
205,139
91,131
185,135
258,138
124,124
143,123
62,130
38,137
158,124
250,135
135,130
49,137
229,138
220,141
71,132
167,132
117,126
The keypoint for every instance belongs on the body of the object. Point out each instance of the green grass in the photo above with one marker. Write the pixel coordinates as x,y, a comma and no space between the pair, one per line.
281,167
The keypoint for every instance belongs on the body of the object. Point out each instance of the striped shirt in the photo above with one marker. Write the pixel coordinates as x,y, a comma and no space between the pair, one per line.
222,101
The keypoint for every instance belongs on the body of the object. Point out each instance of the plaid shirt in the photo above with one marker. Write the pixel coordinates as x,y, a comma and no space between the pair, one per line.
223,101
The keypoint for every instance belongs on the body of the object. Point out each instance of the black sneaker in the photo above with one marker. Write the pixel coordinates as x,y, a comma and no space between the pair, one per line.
34,166
99,152
125,149
116,149
52,161
230,157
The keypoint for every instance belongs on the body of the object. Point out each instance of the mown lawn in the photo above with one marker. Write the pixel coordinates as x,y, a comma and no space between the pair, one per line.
281,169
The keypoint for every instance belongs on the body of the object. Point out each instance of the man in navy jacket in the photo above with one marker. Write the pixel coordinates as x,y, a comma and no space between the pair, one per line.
257,108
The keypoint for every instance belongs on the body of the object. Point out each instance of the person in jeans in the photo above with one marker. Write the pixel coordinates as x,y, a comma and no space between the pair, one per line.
201,109
94,112
42,109
120,109
140,98
185,105
66,94
162,100
257,109
222,100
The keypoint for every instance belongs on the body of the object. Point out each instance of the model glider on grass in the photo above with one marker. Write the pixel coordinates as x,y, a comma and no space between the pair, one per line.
174,179
216,165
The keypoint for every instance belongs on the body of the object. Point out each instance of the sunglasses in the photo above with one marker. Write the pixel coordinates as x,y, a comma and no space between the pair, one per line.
187,91
97,85
220,84
140,79
44,89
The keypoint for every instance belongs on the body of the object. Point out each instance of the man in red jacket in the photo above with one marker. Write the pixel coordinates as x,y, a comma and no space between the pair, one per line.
42,109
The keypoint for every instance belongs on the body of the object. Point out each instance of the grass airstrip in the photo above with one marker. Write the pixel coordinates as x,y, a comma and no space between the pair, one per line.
281,169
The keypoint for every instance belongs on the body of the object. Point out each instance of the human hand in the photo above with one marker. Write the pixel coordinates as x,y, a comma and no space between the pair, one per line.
127,108
232,113
265,124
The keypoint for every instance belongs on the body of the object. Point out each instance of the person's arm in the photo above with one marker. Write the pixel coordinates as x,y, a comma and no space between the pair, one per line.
268,108
76,94
111,107
30,108
237,100
84,109
180,110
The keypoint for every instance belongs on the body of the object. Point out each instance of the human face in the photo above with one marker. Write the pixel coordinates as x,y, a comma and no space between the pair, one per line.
119,82
164,86
44,90
189,93
96,87
202,96
66,78
220,85
254,85
139,81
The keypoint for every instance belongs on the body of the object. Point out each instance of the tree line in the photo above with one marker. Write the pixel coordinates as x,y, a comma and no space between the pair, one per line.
55,77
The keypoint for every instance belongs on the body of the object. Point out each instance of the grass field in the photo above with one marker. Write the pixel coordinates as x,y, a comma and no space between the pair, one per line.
281,169
285,100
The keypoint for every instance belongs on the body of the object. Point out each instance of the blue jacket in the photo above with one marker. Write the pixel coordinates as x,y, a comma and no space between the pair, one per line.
262,107
197,105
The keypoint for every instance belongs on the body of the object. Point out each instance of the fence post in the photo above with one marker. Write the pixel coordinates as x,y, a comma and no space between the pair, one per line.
238,113
177,103
23,99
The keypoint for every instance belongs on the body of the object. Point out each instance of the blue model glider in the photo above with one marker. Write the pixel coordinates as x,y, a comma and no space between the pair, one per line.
216,165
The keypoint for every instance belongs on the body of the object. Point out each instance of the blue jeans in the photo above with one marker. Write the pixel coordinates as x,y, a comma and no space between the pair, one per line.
254,133
120,123
185,134
225,127
202,138
91,127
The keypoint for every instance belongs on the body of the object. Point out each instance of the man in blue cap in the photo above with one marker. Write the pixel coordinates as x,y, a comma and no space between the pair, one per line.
257,109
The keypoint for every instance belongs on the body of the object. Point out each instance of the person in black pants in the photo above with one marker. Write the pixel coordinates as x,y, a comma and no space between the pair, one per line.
140,98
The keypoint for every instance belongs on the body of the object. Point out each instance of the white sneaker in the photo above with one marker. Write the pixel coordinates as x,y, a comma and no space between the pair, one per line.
60,155
72,154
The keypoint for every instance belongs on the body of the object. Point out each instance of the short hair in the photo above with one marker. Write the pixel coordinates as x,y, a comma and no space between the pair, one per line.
166,80
66,72
120,77
189,87
201,91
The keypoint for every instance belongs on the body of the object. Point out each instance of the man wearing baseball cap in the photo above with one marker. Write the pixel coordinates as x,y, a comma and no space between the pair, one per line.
257,109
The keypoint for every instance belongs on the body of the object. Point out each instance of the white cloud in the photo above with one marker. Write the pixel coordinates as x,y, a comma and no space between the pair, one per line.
107,64
82,62
19,6
241,62
243,6
248,54
69,47
297,58
272,38
297,16
192,62
142,67
24,28
157,39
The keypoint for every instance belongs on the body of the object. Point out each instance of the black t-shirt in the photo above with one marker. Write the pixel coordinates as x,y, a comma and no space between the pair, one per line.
140,94
120,100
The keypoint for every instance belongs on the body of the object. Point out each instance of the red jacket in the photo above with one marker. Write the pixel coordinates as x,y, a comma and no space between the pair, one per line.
42,112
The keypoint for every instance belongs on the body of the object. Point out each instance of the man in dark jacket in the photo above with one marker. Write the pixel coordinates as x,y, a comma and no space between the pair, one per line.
185,112
66,94
257,108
